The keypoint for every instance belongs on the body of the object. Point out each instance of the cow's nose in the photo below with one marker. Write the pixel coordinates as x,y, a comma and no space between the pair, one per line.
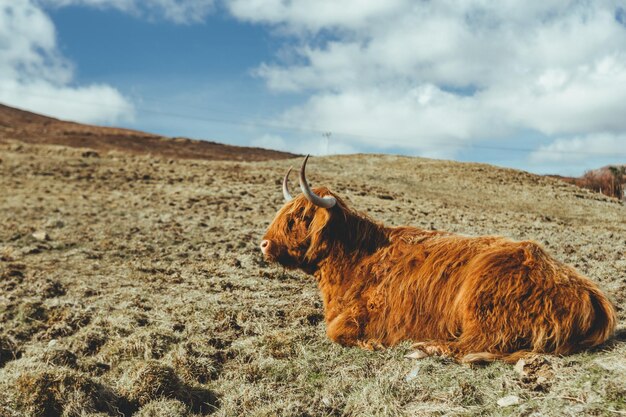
265,244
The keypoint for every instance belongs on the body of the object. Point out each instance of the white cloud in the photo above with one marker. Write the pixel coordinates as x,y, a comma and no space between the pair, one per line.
439,75
576,155
268,141
95,103
35,76
305,144
582,148
302,16
418,77
422,118
178,11
583,99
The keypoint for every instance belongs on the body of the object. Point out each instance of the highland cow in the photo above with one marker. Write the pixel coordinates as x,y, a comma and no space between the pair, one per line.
471,298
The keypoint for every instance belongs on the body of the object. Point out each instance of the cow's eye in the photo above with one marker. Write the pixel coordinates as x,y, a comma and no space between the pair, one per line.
290,224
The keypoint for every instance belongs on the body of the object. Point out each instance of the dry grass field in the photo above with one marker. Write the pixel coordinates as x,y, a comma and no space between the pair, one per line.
133,285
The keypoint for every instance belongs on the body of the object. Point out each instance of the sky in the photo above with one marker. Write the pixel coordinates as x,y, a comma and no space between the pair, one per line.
539,86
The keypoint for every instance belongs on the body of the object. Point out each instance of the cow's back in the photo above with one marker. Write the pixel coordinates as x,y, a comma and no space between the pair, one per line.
486,293
421,274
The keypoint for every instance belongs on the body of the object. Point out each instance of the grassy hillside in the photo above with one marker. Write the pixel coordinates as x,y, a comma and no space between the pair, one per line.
16,124
131,283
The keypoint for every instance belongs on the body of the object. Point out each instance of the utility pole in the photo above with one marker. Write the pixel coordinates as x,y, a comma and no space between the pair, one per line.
326,141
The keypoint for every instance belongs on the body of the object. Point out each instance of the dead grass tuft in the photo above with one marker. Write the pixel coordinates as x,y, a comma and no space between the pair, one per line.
91,366
33,312
11,275
35,319
152,380
59,392
279,344
194,366
26,319
60,357
51,289
63,321
90,341
144,344
163,407
8,350
8,254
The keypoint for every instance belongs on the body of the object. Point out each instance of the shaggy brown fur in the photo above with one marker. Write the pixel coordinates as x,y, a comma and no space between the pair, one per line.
474,298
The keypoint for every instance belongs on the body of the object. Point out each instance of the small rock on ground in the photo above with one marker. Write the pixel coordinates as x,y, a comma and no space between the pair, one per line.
508,401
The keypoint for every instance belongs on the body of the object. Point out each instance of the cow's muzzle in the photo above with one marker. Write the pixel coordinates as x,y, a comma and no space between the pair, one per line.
265,246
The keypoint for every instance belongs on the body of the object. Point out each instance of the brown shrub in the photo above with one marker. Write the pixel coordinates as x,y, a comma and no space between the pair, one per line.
609,181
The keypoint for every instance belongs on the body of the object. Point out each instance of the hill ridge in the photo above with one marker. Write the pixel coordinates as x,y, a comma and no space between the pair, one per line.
30,127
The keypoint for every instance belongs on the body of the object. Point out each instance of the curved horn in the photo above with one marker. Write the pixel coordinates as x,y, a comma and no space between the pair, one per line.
325,202
286,192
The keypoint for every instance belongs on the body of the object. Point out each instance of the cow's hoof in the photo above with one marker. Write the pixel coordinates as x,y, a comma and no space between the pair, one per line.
418,354
370,345
432,348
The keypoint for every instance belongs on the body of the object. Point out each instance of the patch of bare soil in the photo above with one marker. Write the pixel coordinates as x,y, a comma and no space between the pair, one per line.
131,284
30,127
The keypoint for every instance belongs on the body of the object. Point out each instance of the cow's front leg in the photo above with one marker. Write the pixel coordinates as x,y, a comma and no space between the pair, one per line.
346,328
